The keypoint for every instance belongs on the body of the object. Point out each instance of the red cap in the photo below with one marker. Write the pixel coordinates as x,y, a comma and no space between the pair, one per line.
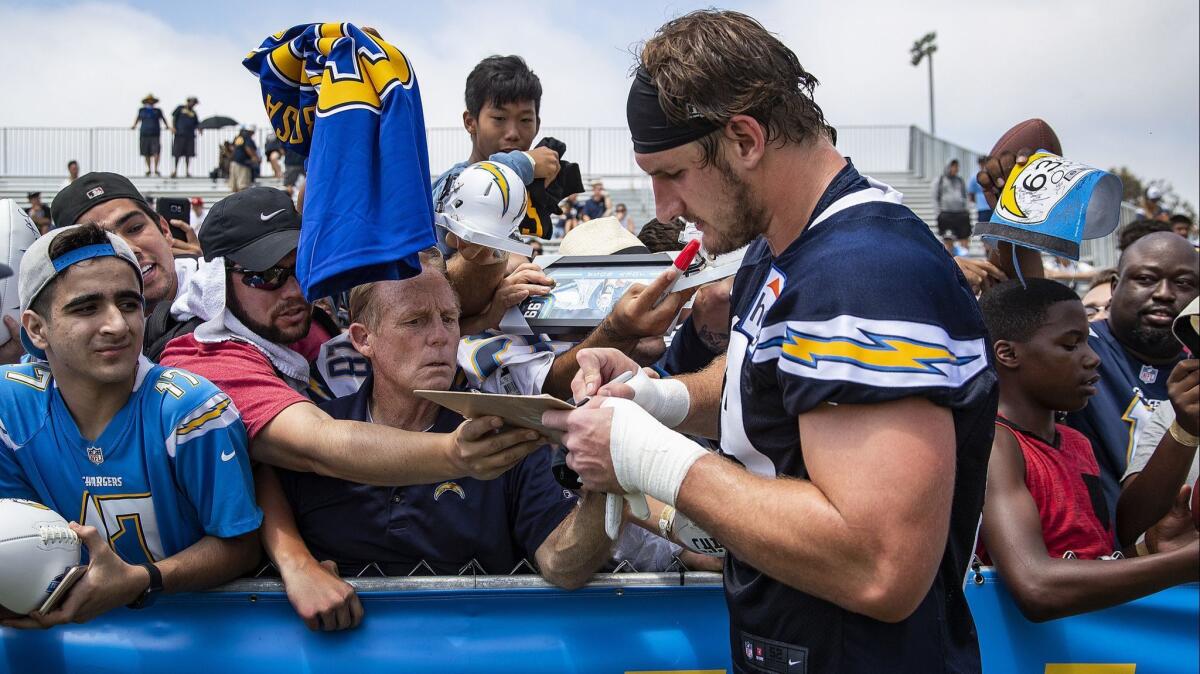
685,257
196,201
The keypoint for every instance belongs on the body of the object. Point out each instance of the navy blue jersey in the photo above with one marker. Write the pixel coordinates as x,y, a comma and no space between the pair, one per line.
864,307
170,467
185,121
495,522
1126,396
149,117
687,353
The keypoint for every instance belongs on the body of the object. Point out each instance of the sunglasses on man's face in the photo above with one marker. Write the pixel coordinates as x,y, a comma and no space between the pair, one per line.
267,279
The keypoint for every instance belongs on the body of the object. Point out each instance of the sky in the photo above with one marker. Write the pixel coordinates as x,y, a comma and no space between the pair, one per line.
1119,82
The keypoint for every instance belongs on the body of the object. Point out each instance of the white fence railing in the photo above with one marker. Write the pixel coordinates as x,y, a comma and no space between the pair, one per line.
600,151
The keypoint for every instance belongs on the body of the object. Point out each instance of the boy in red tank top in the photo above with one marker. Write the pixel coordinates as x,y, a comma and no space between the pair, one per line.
1046,525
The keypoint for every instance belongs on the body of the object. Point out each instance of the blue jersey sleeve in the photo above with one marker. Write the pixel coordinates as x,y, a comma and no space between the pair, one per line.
884,326
21,411
211,462
517,161
13,483
537,503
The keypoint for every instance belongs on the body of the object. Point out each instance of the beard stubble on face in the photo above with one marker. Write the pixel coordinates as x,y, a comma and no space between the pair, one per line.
1154,342
269,331
744,218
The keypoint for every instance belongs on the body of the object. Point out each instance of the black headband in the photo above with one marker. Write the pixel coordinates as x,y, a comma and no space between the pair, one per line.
648,124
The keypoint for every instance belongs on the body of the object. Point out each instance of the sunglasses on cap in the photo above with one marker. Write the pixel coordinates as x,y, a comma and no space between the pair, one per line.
267,279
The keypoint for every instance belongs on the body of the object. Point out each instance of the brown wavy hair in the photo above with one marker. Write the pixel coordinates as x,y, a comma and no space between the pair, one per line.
717,64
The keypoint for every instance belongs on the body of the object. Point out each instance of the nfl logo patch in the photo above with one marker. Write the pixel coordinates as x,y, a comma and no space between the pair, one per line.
95,455
1149,374
95,192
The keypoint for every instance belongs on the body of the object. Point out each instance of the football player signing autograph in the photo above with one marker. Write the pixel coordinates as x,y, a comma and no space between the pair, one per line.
855,402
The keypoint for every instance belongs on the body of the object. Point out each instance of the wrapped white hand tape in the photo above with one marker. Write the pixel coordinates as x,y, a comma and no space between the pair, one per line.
648,457
667,400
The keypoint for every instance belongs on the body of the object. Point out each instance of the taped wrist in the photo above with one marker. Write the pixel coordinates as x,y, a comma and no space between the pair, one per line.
667,400
647,456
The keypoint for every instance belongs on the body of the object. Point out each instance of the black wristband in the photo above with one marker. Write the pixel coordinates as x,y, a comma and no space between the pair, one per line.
155,586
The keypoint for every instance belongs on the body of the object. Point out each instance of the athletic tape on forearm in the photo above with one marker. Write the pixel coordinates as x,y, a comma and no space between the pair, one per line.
647,456
667,400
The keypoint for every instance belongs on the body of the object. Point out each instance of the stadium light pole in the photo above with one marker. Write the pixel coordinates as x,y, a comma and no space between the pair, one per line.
923,49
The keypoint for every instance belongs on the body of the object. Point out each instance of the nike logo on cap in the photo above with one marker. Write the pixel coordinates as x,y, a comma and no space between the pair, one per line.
226,457
267,216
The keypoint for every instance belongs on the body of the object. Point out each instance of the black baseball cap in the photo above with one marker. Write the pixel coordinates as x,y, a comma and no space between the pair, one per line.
89,190
254,228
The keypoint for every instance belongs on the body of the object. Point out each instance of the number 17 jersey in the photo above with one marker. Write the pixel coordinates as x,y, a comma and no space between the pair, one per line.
169,468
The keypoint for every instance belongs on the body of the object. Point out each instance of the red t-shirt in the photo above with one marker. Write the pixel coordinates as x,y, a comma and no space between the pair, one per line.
309,346
241,371
1065,484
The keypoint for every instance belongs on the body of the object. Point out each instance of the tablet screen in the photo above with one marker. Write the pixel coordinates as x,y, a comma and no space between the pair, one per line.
584,296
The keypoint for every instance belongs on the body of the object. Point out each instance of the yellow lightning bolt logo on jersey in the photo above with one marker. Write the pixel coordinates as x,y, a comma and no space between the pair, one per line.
888,353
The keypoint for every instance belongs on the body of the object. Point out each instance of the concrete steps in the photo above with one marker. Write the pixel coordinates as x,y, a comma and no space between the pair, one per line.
634,192
16,187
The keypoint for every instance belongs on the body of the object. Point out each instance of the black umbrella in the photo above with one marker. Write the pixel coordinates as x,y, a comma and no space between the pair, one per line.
217,123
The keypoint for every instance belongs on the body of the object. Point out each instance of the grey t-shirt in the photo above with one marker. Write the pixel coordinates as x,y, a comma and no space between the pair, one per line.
1148,438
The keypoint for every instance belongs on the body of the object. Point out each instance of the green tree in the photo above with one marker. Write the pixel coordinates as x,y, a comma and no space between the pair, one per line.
1134,187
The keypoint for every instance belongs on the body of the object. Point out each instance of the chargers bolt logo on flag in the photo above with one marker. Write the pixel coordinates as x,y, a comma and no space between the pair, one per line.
1052,204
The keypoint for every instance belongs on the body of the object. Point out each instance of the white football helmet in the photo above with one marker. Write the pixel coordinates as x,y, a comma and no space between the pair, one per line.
484,205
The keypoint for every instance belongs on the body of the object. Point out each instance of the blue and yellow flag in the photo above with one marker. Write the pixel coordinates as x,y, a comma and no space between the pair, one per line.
349,101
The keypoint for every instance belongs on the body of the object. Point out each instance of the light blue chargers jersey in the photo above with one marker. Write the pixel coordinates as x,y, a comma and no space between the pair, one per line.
170,467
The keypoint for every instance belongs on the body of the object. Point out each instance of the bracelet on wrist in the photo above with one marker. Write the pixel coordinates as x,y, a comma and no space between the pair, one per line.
1183,437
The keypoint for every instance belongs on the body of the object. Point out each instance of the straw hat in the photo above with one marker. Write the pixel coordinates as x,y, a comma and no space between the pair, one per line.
602,236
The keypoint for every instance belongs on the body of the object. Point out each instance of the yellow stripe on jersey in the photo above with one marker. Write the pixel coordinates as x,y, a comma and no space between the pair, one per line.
214,413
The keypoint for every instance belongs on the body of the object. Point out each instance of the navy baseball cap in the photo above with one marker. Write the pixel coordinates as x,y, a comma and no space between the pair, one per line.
89,190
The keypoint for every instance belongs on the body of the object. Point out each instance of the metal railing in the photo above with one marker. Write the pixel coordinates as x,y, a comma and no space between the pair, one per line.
1103,253
600,151
928,155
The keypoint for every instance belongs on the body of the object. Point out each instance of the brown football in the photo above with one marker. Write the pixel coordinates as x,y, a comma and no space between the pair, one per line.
1032,134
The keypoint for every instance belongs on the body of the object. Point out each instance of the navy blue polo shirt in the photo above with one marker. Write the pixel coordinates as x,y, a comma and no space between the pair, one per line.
496,522
149,117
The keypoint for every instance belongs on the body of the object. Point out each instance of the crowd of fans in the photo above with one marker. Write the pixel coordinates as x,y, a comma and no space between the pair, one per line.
352,472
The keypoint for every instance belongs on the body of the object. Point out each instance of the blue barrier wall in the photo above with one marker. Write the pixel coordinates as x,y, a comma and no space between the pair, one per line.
630,623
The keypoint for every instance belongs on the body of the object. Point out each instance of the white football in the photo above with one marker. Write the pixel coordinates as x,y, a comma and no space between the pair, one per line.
36,546
17,231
